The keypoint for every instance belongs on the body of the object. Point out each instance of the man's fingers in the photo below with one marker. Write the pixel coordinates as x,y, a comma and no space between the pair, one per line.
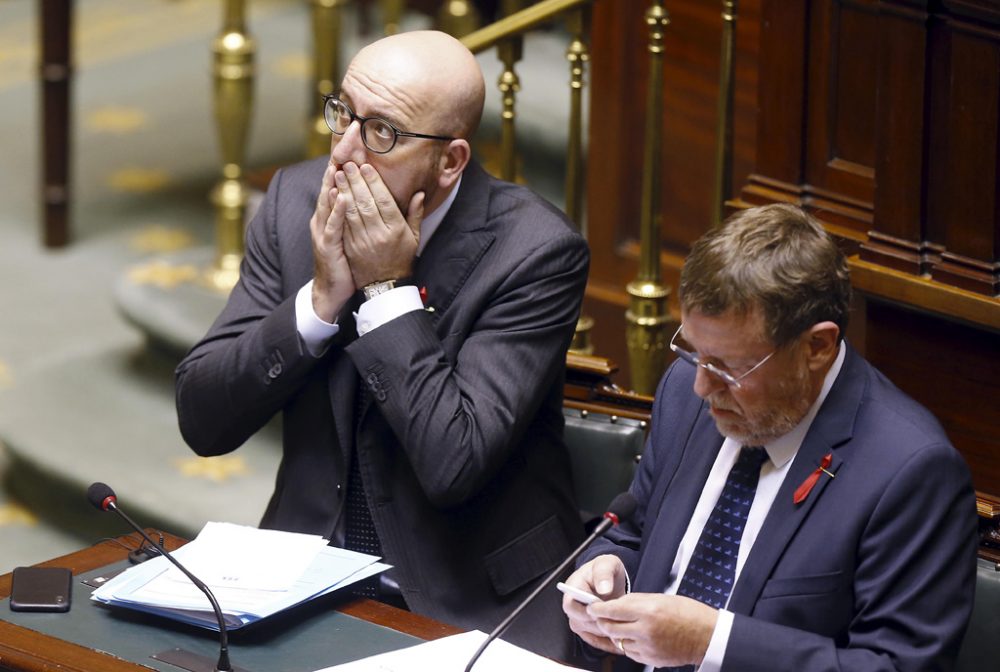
349,203
599,642
365,202
381,196
621,609
415,214
608,576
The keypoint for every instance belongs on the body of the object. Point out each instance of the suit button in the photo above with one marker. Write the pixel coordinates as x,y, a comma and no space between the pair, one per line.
371,379
340,490
380,394
274,371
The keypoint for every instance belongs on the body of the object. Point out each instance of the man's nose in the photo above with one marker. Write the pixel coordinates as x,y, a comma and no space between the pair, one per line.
706,384
349,146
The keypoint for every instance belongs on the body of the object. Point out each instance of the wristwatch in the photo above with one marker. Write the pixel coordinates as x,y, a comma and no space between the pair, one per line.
381,287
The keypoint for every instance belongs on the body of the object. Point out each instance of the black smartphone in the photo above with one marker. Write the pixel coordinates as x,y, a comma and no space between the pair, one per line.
41,589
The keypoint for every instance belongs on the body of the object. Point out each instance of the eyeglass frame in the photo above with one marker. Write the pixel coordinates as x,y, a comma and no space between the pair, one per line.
330,97
727,378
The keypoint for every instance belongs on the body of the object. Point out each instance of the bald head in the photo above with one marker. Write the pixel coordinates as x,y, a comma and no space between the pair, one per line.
428,75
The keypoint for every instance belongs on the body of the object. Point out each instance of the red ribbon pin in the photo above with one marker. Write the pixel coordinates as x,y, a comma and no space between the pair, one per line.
807,485
423,295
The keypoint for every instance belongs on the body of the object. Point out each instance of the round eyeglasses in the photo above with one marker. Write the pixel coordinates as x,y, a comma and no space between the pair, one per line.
726,376
378,135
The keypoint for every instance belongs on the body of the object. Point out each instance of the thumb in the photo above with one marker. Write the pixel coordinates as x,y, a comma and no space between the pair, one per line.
415,214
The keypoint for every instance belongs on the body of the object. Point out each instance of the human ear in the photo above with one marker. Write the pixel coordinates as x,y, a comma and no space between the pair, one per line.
452,162
822,342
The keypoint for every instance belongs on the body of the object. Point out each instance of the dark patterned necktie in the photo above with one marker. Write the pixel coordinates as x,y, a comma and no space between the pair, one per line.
359,532
712,568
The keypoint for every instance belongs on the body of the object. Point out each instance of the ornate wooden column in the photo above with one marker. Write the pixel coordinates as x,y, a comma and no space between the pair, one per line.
56,69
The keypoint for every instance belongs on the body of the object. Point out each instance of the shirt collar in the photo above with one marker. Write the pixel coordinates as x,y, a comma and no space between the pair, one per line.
784,448
431,222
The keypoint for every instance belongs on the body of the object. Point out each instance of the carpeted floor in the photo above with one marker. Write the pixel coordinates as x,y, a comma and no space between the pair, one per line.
144,158
82,395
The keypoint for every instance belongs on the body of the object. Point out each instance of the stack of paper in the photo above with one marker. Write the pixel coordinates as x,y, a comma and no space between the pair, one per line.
252,573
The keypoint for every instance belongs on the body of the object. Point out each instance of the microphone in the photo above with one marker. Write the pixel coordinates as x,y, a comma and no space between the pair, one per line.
103,497
621,508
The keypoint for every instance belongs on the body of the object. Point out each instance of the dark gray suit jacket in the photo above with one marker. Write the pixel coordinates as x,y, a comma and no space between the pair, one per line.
460,441
874,570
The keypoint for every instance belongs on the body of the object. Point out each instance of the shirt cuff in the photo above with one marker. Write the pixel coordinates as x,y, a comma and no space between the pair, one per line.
387,306
717,645
315,333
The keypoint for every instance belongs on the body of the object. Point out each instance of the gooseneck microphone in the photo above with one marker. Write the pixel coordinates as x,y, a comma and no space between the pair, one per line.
103,497
621,508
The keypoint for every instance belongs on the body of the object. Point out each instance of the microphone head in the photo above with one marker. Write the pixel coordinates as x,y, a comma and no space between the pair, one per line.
101,496
621,507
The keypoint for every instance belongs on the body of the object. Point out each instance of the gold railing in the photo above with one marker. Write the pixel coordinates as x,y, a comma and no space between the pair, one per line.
233,73
507,36
724,119
648,314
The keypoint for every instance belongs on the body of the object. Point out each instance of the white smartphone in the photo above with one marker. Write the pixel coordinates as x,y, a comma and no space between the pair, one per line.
578,594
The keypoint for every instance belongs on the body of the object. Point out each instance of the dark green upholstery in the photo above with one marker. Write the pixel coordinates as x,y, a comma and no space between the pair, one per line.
979,650
603,450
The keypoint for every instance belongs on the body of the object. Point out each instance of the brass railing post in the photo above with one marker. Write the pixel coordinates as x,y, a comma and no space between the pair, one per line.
392,16
326,16
458,17
233,71
648,314
509,83
577,54
724,120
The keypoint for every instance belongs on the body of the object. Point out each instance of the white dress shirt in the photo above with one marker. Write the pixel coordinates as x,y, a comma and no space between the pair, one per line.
781,453
316,333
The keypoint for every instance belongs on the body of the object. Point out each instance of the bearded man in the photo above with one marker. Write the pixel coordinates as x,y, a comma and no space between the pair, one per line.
796,510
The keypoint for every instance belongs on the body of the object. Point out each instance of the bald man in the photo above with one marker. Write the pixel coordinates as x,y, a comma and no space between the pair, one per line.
408,316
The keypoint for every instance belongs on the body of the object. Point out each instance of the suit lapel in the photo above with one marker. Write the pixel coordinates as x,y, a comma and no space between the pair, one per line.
458,244
677,500
832,427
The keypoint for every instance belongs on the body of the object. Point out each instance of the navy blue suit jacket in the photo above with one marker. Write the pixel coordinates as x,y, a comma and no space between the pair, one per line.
875,570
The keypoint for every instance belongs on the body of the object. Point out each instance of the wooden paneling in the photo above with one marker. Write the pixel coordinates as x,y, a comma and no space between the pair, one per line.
899,158
963,196
882,117
953,369
840,104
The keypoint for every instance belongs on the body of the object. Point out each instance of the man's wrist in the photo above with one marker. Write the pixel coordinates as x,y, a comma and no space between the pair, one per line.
373,289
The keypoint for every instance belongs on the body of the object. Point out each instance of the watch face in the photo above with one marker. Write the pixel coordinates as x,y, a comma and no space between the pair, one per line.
376,288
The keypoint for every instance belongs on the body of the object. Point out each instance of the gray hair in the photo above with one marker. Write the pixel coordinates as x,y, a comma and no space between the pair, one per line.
775,258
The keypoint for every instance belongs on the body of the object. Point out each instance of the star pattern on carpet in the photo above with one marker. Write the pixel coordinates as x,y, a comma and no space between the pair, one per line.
6,376
216,469
162,274
15,514
156,238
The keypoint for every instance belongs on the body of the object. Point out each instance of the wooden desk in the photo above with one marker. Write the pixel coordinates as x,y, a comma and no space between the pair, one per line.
24,650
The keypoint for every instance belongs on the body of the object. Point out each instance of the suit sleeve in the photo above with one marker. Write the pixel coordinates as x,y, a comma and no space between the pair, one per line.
252,359
460,418
913,586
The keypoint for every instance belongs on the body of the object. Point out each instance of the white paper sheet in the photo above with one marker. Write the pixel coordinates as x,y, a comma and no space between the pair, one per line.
452,654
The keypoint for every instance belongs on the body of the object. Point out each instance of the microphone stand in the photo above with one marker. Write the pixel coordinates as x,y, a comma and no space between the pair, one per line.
609,521
223,664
